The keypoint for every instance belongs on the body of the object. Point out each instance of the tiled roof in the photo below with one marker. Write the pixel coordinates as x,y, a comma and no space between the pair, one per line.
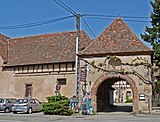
60,47
3,47
48,48
3,37
116,39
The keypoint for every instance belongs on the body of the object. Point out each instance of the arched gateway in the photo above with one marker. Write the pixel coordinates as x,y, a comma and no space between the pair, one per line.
106,78
118,55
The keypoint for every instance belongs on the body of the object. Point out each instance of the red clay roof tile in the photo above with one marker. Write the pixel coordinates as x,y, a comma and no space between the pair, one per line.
116,38
60,47
48,48
3,47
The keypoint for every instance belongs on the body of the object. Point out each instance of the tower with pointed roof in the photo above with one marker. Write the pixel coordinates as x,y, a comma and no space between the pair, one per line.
118,55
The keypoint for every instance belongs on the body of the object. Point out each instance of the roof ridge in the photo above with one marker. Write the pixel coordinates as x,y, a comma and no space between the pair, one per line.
109,26
119,37
4,37
46,49
119,18
135,35
93,40
40,35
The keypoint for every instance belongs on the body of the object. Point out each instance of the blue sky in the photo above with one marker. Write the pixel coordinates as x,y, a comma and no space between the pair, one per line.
15,12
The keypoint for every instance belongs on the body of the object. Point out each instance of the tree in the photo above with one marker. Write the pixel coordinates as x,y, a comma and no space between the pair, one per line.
152,34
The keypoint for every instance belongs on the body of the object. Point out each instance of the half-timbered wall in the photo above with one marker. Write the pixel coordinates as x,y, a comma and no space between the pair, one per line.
42,78
44,68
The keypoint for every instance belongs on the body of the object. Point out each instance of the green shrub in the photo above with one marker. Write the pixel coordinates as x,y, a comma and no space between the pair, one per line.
57,105
128,99
56,98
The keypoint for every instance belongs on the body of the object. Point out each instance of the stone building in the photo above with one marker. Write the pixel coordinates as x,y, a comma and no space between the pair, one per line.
32,66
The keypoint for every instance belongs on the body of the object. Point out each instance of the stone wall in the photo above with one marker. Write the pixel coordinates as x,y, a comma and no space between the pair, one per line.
43,79
138,84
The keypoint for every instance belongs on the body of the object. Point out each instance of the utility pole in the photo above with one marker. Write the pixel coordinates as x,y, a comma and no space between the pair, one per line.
77,58
77,64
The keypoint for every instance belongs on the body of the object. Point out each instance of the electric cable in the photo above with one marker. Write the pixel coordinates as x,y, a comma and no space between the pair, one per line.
104,18
100,15
68,7
65,7
34,23
87,27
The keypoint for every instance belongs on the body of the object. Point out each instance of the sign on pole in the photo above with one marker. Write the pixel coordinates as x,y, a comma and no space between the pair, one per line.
58,86
83,74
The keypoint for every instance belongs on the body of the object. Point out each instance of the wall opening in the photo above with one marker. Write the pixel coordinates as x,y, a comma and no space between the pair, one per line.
114,95
102,94
28,90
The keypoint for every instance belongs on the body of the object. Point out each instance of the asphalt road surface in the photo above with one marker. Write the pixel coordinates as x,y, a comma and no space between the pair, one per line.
100,117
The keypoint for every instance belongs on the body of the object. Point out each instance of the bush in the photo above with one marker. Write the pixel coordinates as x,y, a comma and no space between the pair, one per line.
128,99
57,105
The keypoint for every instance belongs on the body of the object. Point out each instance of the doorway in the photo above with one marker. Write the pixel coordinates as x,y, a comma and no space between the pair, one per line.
106,98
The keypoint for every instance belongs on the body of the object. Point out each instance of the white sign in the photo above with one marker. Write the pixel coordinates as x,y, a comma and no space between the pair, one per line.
141,96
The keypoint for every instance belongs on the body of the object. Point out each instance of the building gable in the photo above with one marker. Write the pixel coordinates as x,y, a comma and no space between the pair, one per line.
118,38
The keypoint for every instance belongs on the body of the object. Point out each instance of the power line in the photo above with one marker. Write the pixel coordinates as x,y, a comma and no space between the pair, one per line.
135,20
63,5
108,17
59,19
68,7
34,23
95,15
70,10
100,15
77,62
87,27
104,18
75,14
134,17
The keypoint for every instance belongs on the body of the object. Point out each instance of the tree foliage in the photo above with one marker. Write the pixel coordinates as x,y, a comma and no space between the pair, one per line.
152,34
57,105
157,87
128,99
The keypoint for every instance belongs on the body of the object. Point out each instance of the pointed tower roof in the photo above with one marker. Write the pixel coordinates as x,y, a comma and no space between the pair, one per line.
116,39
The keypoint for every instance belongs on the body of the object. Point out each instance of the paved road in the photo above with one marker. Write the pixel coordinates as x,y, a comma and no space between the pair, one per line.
101,117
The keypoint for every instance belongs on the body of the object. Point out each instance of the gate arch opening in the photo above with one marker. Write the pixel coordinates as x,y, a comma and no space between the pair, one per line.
100,92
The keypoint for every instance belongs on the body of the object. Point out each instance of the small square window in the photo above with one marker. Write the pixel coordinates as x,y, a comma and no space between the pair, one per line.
62,81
